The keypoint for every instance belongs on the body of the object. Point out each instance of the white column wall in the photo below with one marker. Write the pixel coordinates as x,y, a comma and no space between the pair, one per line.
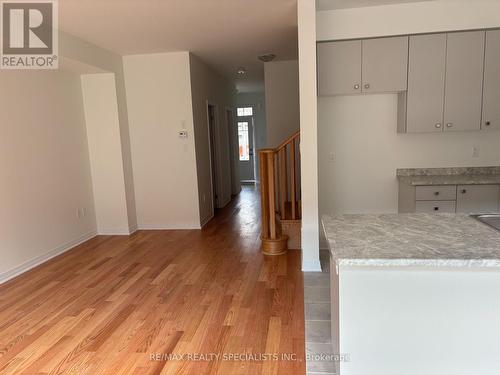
105,150
308,134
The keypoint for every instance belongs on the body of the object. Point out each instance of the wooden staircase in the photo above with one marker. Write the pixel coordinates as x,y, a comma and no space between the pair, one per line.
280,196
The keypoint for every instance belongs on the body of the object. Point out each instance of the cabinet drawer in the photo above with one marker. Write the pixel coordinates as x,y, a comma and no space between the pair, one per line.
436,193
478,199
436,207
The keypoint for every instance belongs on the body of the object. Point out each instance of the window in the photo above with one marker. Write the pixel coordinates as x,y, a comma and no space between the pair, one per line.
244,141
245,111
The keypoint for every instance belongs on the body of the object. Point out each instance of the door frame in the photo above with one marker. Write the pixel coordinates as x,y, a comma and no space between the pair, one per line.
231,121
213,151
250,120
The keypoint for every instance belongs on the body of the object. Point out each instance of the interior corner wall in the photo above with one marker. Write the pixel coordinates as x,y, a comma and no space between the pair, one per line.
258,102
208,87
164,164
44,168
103,132
282,100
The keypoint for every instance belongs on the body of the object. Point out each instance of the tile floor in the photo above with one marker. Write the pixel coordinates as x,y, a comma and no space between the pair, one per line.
317,315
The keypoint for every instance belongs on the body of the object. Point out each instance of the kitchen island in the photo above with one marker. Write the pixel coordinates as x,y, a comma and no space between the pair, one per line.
414,294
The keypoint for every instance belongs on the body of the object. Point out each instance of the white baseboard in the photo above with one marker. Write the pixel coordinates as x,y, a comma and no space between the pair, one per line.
133,229
116,231
311,266
167,227
205,222
26,266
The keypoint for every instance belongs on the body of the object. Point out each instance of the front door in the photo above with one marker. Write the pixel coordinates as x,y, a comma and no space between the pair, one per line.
246,152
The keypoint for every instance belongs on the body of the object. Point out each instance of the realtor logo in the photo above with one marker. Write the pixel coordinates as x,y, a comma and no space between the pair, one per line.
29,35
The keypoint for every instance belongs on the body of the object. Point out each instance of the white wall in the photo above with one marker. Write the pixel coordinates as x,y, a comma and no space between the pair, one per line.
308,134
207,86
409,18
44,168
103,131
360,133
258,102
159,106
282,100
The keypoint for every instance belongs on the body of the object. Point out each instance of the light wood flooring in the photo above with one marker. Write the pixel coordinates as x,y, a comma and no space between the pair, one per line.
111,304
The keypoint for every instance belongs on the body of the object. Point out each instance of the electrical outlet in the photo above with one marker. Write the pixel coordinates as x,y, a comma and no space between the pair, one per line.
81,213
475,152
331,156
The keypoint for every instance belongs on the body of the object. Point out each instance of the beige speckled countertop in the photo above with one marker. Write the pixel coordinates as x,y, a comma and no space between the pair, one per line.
450,176
436,240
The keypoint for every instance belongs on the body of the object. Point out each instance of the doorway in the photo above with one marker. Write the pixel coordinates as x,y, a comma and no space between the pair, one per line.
246,145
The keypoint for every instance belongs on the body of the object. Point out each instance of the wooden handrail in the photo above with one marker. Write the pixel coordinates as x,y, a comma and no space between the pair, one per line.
279,190
287,141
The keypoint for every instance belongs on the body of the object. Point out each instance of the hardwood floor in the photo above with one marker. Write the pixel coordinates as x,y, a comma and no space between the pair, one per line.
121,305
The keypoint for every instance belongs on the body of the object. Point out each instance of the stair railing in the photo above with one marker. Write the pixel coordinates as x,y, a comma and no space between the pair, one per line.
280,191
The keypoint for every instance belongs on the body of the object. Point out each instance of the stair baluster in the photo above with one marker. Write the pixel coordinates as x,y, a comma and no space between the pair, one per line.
280,196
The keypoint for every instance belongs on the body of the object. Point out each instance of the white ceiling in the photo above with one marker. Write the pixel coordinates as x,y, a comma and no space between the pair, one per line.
344,4
224,33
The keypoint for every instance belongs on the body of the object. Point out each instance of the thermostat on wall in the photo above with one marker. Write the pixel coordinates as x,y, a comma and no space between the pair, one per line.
183,134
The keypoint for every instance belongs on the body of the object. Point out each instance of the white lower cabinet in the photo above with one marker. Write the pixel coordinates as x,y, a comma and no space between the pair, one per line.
478,199
468,199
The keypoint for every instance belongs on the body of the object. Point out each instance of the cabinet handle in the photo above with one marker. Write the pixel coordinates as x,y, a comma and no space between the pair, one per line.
356,87
449,125
438,125
436,208
367,86
464,191
436,193
487,123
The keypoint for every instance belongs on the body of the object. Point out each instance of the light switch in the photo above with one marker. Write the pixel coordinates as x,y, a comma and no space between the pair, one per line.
183,134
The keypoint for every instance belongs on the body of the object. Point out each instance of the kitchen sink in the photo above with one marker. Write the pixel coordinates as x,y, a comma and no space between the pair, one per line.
493,220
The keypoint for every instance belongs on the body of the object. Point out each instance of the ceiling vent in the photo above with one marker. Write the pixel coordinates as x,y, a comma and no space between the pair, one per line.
267,57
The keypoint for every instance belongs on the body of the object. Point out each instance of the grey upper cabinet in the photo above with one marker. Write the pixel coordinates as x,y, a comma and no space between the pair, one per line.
478,198
385,64
339,68
369,66
464,81
445,82
426,83
491,98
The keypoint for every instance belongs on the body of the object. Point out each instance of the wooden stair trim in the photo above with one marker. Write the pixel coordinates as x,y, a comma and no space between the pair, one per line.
279,190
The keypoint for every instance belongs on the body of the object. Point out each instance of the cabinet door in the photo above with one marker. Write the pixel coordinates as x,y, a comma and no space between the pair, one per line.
478,199
385,64
491,99
464,81
339,68
426,76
